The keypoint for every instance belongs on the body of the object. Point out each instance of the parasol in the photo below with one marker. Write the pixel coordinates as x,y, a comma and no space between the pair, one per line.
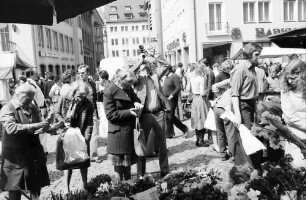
291,39
42,11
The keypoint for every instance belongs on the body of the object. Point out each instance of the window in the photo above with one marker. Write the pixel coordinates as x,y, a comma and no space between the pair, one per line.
5,38
136,28
147,27
215,16
116,41
111,29
127,52
133,28
113,8
48,36
113,17
137,40
134,52
115,28
128,15
71,45
144,40
66,44
128,8
40,33
248,12
127,40
113,53
143,27
81,47
133,40
302,10
122,28
97,31
61,39
141,6
289,10
55,41
126,28
263,11
117,53
123,41
113,42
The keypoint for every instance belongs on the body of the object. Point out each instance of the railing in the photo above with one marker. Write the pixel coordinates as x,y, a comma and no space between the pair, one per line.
217,28
7,46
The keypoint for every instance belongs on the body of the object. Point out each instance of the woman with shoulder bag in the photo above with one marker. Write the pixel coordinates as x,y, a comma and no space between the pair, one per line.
121,112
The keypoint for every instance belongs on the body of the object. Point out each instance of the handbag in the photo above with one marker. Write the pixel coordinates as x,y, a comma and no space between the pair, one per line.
139,140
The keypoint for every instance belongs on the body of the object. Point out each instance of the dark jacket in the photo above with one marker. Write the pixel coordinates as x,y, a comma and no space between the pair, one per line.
23,156
117,104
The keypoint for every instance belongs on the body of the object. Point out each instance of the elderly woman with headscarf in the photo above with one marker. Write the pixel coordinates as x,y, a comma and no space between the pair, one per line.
23,160
78,114
121,108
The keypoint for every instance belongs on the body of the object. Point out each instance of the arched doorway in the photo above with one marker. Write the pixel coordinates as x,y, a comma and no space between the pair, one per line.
57,70
63,68
68,66
50,68
42,70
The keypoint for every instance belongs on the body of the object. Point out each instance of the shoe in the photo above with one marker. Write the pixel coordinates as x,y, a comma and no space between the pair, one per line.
225,157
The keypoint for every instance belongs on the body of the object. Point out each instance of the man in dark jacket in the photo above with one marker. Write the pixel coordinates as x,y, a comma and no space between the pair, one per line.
171,89
48,84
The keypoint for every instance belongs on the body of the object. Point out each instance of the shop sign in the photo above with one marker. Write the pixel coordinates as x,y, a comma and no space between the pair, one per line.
170,52
48,54
174,44
261,32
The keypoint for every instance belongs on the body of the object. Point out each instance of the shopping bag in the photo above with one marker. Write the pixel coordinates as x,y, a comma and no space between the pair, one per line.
150,194
249,142
75,147
210,122
103,122
139,140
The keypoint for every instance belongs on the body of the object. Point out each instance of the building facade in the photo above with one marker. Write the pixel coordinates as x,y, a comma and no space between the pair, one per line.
218,29
126,28
98,25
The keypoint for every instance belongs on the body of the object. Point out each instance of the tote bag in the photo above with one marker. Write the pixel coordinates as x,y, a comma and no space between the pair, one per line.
139,140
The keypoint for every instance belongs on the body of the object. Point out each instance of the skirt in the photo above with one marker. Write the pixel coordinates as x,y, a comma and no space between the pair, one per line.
125,160
199,110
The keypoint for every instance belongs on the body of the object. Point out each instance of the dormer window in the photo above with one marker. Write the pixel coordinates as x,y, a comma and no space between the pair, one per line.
128,8
128,15
113,8
113,17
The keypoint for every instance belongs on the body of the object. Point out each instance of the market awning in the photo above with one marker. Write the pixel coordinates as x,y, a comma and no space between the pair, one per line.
215,44
291,39
10,61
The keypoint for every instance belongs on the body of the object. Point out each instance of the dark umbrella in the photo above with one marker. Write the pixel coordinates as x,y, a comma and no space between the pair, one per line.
41,11
26,12
291,39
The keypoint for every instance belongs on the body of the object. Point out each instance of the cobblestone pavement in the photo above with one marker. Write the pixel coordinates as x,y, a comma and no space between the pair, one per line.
182,153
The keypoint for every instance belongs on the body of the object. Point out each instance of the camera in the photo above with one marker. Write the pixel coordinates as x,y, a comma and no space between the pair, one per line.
141,51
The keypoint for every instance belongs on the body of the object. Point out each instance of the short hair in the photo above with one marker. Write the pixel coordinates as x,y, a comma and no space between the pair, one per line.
200,69
226,66
29,74
84,66
293,56
249,49
25,88
103,74
180,65
23,78
49,75
122,74
66,77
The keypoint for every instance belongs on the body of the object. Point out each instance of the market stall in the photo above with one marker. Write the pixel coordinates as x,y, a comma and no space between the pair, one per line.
10,65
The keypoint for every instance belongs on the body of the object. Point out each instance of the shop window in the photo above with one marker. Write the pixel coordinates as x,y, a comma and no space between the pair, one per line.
263,11
248,12
215,16
289,10
302,10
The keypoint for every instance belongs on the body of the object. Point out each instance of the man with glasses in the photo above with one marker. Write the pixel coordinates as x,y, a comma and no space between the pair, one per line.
244,93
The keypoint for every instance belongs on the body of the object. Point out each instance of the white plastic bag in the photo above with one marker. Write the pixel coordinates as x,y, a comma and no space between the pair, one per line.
210,122
74,146
103,122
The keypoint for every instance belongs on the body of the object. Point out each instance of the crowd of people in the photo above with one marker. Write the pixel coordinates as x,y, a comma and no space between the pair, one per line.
153,92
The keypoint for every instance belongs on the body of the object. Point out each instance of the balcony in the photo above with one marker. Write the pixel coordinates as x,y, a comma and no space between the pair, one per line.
6,47
217,28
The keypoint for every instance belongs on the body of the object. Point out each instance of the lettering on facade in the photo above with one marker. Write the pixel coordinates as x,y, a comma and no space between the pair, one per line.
261,32
64,58
48,54
174,44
